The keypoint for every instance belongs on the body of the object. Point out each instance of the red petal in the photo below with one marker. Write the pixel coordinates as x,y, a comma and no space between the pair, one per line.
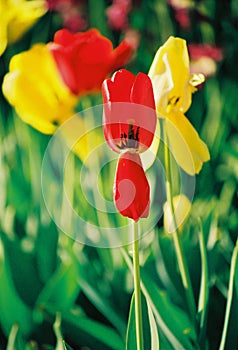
85,59
65,67
142,91
118,88
131,187
122,54
63,37
137,108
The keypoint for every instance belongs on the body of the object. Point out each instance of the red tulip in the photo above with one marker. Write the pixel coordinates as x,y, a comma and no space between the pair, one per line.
131,123
131,187
129,126
85,59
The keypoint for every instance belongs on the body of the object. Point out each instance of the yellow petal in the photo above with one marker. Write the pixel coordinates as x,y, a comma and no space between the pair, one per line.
24,15
170,76
16,17
189,151
3,34
34,88
182,208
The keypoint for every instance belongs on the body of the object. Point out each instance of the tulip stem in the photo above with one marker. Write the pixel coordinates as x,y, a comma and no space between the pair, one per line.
182,264
137,289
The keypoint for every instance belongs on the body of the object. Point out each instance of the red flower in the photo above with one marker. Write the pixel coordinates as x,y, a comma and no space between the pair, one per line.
117,14
85,59
129,126
197,51
131,187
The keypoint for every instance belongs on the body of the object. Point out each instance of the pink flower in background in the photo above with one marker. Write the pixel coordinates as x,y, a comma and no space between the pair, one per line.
117,14
182,16
204,58
182,10
71,12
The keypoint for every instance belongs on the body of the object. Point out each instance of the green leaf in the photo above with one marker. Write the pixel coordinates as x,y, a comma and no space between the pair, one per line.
150,331
131,328
12,308
153,329
102,304
86,332
23,269
88,278
67,347
62,288
12,337
46,251
172,321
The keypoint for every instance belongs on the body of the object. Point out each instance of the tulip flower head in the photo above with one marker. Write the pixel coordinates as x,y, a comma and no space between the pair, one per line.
85,59
173,87
129,126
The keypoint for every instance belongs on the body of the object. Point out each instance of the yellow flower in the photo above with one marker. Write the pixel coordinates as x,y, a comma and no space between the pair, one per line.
182,207
16,17
173,87
35,89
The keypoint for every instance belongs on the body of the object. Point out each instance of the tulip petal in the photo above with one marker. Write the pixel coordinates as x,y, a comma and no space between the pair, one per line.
131,187
118,88
142,91
121,54
189,151
85,59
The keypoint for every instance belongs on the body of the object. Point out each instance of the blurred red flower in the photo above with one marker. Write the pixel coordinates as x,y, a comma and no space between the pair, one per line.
204,58
85,59
72,13
129,125
197,51
117,14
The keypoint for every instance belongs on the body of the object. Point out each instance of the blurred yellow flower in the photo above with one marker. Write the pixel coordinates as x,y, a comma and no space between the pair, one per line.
34,88
173,87
16,17
182,207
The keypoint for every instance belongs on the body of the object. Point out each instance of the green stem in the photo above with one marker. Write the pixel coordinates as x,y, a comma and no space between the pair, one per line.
138,311
183,268
230,296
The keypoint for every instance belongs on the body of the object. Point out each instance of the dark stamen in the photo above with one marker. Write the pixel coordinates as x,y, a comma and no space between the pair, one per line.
131,139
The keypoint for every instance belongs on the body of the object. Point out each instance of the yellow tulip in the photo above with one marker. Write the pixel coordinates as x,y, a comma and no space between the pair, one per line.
182,207
16,17
173,87
34,88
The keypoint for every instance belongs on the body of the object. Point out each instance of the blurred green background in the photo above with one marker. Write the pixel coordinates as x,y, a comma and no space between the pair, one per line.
52,288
